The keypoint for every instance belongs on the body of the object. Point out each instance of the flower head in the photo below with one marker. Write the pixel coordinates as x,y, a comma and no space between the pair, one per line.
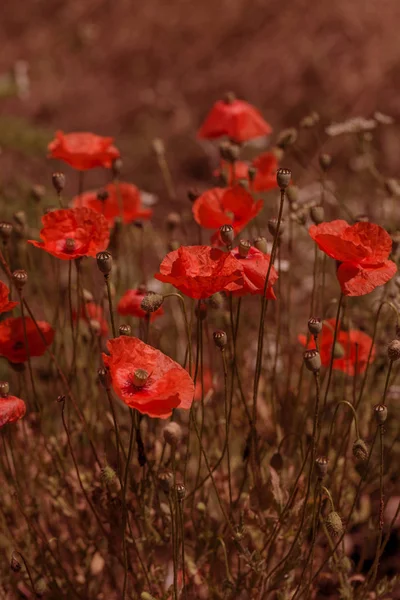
352,348
130,304
12,339
362,251
5,304
200,271
93,313
146,379
266,165
83,151
236,119
255,268
72,233
125,196
11,409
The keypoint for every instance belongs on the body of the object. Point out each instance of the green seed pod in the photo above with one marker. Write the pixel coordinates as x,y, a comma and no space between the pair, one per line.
334,524
360,450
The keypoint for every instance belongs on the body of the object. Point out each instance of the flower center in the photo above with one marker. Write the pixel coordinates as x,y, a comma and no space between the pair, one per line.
70,245
140,378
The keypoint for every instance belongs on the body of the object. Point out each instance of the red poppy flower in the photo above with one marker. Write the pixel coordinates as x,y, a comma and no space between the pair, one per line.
11,409
200,271
362,249
93,313
352,348
265,178
5,304
12,339
255,268
130,304
83,151
226,206
146,379
236,119
126,194
72,233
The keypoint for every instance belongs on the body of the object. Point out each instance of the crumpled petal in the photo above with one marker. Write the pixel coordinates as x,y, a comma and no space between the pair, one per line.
11,409
358,280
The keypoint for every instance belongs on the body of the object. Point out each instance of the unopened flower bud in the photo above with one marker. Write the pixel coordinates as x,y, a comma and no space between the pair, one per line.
172,433
102,195
15,564
227,234
360,450
37,192
58,181
217,301
229,152
261,244
273,227
165,479
104,377
287,137
338,351
380,412
151,302
173,221
394,350
334,524
125,329
283,177
312,360
5,230
4,389
20,277
314,326
321,466
104,262
180,490
317,214
116,167
325,161
220,339
292,194
244,247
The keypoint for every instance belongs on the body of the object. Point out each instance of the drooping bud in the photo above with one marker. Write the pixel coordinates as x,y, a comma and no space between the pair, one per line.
317,214
180,490
380,413
140,377
104,262
244,247
58,181
172,433
151,302
312,360
220,339
125,329
20,277
321,466
273,227
15,564
325,161
394,350
261,244
227,234
360,450
314,326
283,177
104,377
4,389
334,524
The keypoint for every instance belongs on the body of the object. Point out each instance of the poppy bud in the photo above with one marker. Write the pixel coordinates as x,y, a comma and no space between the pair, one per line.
102,195
201,311
5,230
276,461
4,389
292,194
15,564
314,326
151,302
69,245
216,301
287,137
192,195
173,245
58,181
229,152
273,227
321,466
125,329
140,377
227,234
325,161
360,450
220,339
104,377
173,221
261,244
244,247
116,167
283,177
380,412
37,192
165,479
104,262
338,351
334,523
317,214
394,350
312,360
108,475
172,433
20,277
180,491
251,173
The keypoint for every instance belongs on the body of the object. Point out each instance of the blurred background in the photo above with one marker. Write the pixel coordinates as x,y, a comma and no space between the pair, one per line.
140,70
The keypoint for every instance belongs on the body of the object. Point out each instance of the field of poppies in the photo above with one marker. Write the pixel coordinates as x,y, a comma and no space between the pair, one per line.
204,409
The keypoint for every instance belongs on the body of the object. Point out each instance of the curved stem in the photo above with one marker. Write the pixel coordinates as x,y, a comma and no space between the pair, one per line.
333,350
125,508
188,333
345,402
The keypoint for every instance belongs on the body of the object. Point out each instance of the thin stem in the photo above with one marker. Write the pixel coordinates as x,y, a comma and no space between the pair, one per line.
333,350
124,505
110,304
27,570
188,333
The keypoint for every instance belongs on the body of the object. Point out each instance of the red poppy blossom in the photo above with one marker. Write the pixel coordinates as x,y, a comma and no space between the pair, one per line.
12,339
236,119
266,166
146,379
73,232
93,314
130,304
352,348
226,206
12,409
83,151
255,269
362,250
122,195
200,271
5,304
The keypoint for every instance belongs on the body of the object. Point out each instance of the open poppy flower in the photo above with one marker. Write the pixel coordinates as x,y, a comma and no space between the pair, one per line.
236,119
231,206
146,379
200,271
12,409
83,151
362,251
5,304
352,348
12,339
93,313
130,304
255,267
122,195
266,166
73,232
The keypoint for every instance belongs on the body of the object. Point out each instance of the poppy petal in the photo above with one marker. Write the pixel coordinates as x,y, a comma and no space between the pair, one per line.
358,280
